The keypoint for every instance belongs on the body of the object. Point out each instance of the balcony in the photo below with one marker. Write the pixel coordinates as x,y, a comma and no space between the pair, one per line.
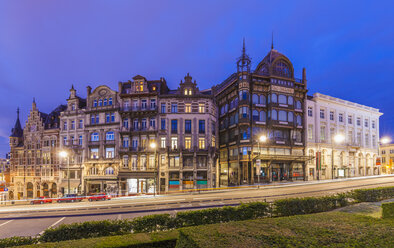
109,142
94,143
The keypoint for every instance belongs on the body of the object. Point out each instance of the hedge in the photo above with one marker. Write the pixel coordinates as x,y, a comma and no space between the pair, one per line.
372,195
16,241
388,210
308,205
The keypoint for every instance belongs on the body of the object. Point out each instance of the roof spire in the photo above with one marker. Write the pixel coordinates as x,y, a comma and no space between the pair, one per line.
17,131
72,86
243,48
272,41
17,113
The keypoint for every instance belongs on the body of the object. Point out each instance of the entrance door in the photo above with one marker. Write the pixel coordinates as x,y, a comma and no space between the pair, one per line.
142,185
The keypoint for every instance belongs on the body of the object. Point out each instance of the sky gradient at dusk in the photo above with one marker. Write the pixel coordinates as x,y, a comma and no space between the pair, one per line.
46,46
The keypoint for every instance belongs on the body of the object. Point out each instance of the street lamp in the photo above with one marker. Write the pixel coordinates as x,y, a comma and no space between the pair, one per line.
338,138
385,140
64,154
153,146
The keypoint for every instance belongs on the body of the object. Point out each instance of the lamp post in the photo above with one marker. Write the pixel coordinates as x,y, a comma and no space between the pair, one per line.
338,138
383,141
64,154
153,146
262,139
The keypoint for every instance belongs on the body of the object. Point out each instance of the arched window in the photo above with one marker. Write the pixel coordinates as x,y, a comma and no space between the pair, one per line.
299,120
255,115
255,99
94,137
262,99
244,95
290,117
282,69
110,136
109,171
244,112
110,101
298,105
274,98
100,103
290,100
263,116
105,102
95,103
282,99
282,115
274,115
125,161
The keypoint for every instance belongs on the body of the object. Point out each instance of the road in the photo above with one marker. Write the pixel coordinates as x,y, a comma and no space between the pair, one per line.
33,220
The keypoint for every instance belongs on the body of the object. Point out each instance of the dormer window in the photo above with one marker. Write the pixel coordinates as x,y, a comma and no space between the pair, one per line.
139,86
154,88
73,107
188,92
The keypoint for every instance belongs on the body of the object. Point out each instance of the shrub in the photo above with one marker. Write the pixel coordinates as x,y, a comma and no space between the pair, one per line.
17,241
308,205
388,210
87,229
372,195
152,223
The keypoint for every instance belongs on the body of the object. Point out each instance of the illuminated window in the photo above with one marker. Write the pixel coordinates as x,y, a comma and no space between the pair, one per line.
186,92
201,143
140,86
213,141
190,92
154,88
201,108
174,143
188,142
188,108
163,142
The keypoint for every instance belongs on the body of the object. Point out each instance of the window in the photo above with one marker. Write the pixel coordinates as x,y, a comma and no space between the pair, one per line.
188,143
174,143
163,142
282,99
94,137
366,123
80,140
366,139
135,124
188,126
65,140
152,103
310,132
110,101
201,108
174,108
144,104
80,126
255,115
298,105
383,151
113,117
244,95
373,141
107,118
358,121
139,86
322,133
299,120
282,115
163,124
100,102
321,113
110,136
290,117
125,142
244,112
163,107
201,143
188,108
201,126
281,69
65,125
274,98
373,124
152,123
135,105
72,125
174,126
340,117
95,103
310,111
143,124
126,123
331,115
109,152
109,171
94,153
97,119
349,119
255,99
263,100
105,102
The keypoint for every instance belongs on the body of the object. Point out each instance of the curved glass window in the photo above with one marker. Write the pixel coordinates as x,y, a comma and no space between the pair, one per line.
282,115
263,116
274,98
256,115
298,105
282,69
244,112
262,99
290,100
244,95
290,117
274,115
282,99
299,120
255,99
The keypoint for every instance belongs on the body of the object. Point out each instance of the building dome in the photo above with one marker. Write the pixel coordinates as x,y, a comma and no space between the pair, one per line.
275,64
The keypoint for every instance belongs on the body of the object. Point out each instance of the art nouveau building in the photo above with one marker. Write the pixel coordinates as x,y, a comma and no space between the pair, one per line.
268,101
357,124
187,138
35,167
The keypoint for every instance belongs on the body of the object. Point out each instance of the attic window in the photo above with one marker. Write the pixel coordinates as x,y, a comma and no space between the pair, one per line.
154,88
140,86
188,92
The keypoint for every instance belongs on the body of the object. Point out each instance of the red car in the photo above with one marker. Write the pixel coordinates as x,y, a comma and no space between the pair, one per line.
70,198
41,200
99,197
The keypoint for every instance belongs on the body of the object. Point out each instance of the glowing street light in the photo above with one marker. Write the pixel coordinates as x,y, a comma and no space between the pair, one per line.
63,154
338,138
152,145
385,140
263,138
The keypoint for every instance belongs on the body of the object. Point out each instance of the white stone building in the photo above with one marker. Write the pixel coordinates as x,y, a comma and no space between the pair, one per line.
358,125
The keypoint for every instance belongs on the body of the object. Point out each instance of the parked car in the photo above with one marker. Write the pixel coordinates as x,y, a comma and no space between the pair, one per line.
99,197
41,200
70,198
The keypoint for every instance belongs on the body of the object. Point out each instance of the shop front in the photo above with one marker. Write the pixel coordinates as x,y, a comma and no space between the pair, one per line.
137,183
94,184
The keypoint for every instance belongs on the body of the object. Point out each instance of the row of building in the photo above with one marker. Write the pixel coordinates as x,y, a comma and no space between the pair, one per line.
256,126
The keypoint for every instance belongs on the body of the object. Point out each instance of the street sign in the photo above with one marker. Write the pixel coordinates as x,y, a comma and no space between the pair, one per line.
6,189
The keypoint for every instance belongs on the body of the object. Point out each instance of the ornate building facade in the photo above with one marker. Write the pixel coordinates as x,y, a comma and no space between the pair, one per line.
358,125
269,102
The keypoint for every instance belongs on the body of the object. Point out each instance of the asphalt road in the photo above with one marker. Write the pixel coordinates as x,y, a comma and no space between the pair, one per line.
32,220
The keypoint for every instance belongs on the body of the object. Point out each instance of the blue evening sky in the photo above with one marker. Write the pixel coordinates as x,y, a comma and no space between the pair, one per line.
347,47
